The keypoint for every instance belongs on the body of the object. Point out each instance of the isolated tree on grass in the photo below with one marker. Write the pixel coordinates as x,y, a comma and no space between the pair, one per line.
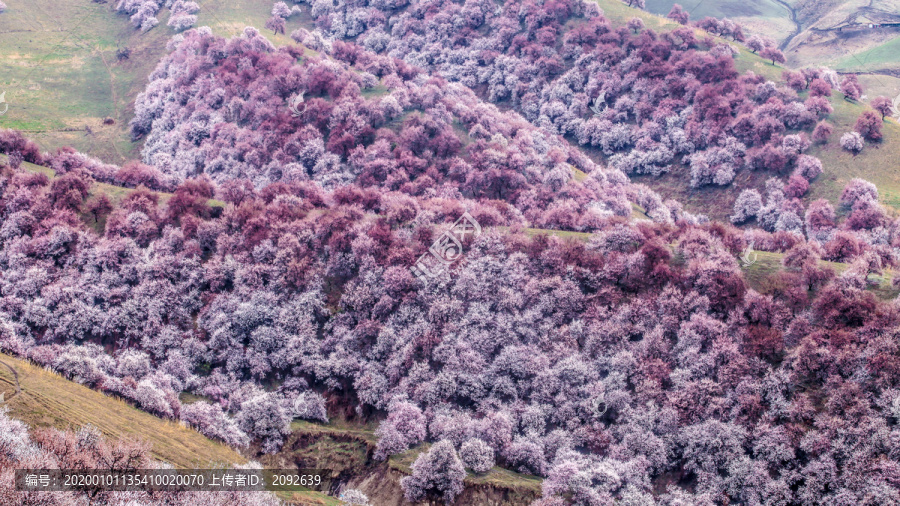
852,142
638,4
440,470
185,7
808,167
276,24
774,54
636,24
851,88
182,21
679,15
150,23
733,30
822,132
820,106
281,10
797,187
884,106
869,126
755,43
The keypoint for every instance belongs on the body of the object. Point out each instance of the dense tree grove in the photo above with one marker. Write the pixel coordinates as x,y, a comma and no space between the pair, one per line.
229,109
614,368
633,363
647,100
254,113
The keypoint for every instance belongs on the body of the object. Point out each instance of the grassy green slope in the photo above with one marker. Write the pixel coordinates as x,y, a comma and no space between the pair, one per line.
721,9
883,57
619,14
58,67
879,85
230,17
60,73
48,400
878,162
767,265
766,17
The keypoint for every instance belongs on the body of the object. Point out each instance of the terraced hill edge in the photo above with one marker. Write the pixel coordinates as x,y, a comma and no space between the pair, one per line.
346,448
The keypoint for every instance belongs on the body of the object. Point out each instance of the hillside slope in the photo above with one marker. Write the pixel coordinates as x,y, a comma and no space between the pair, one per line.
560,102
644,365
64,60
50,400
853,36
877,163
59,69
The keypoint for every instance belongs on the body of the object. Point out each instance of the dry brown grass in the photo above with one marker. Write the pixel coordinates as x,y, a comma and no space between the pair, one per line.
50,400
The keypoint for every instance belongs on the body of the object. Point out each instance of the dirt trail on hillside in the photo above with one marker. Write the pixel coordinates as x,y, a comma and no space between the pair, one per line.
15,377
115,97
794,20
